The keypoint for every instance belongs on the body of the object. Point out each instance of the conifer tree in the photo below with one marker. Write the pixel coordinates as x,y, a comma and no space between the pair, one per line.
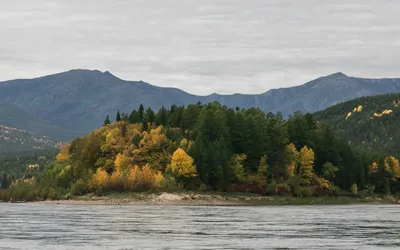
134,117
107,120
118,117
141,113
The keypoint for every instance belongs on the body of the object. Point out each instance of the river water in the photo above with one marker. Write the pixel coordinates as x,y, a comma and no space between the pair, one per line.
33,226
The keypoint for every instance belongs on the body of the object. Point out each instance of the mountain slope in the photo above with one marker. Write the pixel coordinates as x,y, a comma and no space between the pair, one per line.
13,116
14,140
369,123
78,100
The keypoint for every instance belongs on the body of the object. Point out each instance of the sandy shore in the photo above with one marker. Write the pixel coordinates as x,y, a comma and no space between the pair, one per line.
193,199
152,199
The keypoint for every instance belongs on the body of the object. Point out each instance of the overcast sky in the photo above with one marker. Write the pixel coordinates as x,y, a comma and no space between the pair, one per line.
223,46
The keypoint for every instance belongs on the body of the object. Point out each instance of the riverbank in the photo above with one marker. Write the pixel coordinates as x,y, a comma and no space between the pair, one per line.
201,199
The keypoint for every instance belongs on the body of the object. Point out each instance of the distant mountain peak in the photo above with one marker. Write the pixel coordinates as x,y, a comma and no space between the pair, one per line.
337,75
85,71
109,74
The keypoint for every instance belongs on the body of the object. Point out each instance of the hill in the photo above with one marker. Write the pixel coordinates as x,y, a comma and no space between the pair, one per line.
14,140
13,116
369,123
78,100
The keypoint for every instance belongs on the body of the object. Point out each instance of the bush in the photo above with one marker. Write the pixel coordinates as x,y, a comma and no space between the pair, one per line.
336,191
52,194
44,193
303,192
354,189
203,187
79,188
168,184
283,189
31,195
370,190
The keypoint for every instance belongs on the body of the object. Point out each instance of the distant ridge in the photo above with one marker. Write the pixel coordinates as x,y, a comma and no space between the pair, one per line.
78,100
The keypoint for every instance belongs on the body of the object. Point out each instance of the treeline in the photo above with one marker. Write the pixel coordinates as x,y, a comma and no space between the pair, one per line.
212,147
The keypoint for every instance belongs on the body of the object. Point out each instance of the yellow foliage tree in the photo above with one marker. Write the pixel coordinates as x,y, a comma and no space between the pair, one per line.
237,167
392,166
354,189
322,183
115,181
185,144
148,178
306,163
132,178
99,179
373,168
262,172
64,155
158,179
291,158
260,178
152,149
122,162
181,165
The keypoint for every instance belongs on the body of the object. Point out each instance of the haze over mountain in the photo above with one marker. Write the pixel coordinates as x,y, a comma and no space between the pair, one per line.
77,101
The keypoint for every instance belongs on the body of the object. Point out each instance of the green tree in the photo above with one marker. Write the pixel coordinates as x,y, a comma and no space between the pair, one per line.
118,117
149,118
329,171
107,120
162,116
141,113
238,170
211,147
4,182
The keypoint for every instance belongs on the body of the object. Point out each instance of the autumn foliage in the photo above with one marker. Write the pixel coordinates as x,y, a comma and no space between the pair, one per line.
181,165
212,147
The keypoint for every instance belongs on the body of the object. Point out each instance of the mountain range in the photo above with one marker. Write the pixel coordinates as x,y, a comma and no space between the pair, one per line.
69,104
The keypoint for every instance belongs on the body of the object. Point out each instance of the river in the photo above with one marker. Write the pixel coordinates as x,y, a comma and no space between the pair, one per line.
35,226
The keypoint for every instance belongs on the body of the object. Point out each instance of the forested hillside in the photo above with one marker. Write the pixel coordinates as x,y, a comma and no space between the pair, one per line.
211,147
368,123
24,165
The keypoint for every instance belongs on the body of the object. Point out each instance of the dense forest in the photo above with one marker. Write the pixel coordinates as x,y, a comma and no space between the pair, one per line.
368,123
23,165
212,147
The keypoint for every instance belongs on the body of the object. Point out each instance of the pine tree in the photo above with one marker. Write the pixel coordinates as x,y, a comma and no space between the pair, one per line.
134,117
141,113
149,118
125,117
118,117
107,120
162,116
4,183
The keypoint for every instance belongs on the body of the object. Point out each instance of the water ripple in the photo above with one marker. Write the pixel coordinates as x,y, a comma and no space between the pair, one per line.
32,226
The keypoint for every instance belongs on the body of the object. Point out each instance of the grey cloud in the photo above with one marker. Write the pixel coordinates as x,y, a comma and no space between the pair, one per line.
202,47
